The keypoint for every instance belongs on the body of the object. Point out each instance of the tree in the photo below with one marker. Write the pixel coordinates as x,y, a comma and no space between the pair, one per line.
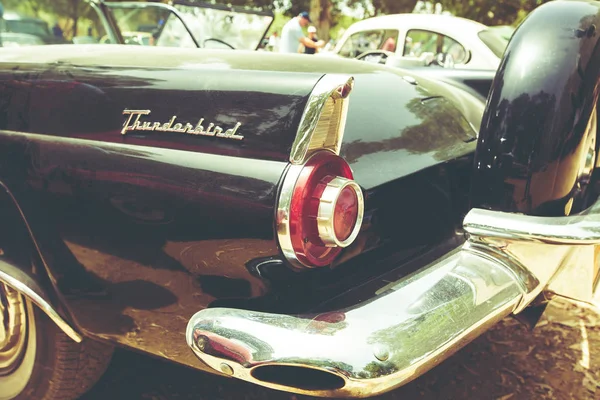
73,10
65,12
264,4
321,15
506,12
31,7
380,7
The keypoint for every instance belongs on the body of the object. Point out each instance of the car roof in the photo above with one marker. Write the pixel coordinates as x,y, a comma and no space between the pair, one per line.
435,21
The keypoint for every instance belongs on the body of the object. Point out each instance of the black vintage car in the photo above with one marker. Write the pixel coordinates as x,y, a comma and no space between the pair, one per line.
314,225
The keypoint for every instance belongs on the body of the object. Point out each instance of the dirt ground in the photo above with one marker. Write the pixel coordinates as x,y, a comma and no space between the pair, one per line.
560,359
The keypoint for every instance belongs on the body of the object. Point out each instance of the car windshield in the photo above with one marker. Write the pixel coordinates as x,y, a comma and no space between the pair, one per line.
220,27
177,24
149,25
188,24
496,38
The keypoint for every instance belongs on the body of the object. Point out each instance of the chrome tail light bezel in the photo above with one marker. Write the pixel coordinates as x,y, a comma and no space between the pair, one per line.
320,131
286,212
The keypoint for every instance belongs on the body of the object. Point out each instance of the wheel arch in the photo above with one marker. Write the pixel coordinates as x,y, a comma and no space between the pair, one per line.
23,266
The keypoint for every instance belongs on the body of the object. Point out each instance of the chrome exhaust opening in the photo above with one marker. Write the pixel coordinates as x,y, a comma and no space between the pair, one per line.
298,377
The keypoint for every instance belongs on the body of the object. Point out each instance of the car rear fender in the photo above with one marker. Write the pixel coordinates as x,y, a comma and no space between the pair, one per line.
23,267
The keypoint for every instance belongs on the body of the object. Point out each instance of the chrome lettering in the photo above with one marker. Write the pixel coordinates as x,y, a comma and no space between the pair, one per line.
133,123
231,133
132,113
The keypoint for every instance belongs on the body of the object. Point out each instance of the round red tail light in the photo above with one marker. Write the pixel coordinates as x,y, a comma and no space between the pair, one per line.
320,210
345,213
339,211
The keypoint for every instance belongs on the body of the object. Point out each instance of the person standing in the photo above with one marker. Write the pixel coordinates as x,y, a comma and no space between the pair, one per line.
292,35
273,42
57,31
312,35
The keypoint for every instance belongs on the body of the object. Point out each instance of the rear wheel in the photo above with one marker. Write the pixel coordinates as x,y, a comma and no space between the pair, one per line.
585,193
37,360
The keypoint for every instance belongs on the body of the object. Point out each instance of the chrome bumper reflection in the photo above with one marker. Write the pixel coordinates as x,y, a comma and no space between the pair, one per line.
369,348
411,325
553,254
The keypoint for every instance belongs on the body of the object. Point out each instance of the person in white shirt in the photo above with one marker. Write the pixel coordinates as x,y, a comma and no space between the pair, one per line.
292,35
274,42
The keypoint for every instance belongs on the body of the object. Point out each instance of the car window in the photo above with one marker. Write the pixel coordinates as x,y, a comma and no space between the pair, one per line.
496,38
360,42
419,42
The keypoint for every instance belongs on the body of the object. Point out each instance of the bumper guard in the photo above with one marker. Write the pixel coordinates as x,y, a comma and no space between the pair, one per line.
413,324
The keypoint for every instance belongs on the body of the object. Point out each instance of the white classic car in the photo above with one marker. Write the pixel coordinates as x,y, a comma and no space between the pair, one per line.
424,39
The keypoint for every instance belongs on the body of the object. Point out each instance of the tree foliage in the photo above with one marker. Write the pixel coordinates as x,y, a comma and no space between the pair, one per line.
265,4
505,12
324,13
380,7
66,13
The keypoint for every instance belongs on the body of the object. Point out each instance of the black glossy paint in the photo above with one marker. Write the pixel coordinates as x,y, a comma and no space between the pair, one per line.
139,238
543,94
88,103
139,232
477,82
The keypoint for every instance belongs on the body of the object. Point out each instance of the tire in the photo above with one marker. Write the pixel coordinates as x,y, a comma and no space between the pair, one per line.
37,360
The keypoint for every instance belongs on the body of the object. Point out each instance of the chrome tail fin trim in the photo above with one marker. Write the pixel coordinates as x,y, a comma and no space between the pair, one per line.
324,118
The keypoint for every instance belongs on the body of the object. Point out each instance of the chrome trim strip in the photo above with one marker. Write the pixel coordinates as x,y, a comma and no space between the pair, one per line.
282,217
373,346
324,118
326,212
22,283
572,230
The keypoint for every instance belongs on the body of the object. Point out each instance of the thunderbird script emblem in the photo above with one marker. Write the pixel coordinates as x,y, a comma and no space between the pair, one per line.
134,122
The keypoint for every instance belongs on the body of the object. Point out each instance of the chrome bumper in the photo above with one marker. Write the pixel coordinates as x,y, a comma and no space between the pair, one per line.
413,324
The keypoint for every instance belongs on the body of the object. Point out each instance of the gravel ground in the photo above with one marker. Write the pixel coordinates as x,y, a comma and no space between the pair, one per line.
559,359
